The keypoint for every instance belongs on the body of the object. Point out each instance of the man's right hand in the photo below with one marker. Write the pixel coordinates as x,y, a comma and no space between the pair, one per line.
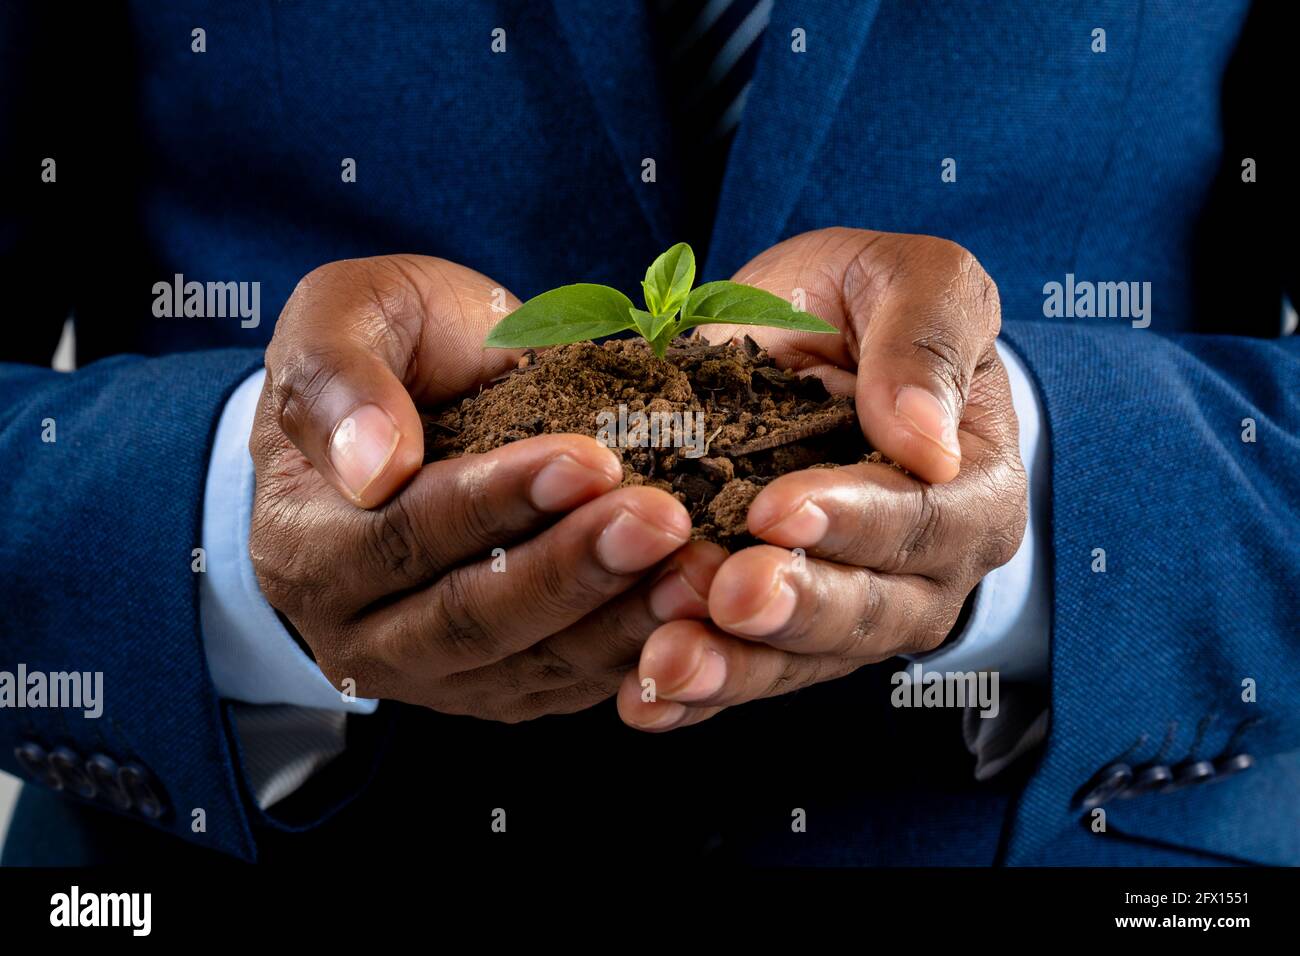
386,566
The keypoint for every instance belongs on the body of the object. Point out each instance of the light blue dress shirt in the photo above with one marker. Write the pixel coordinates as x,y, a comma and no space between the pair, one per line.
291,719
1009,623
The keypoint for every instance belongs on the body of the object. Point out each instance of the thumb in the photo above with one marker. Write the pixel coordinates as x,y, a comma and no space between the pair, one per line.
922,336
359,343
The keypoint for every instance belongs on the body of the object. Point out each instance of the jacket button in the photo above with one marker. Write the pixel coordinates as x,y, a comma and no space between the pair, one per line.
1226,767
135,780
1148,780
1110,781
103,770
1191,772
33,759
66,762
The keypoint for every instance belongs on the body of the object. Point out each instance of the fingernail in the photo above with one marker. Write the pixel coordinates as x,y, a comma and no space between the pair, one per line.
929,417
673,598
707,680
361,445
773,615
801,528
564,482
630,543
668,713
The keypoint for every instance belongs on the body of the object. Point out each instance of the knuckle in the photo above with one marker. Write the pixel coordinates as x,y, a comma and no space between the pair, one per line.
321,275
986,519
297,380
622,639
794,673
350,663
1000,527
1005,539
289,576
510,679
943,355
477,516
923,637
556,590
536,669
974,286
546,667
1000,546
393,537
879,265
390,303
923,532
282,593
460,621
868,528
576,697
368,305
866,621
346,670
923,626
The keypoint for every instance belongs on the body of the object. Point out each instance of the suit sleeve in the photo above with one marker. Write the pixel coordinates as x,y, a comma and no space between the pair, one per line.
104,689
103,470
1175,477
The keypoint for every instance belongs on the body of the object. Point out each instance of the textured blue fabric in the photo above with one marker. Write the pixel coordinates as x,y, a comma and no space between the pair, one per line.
96,563
527,165
1199,591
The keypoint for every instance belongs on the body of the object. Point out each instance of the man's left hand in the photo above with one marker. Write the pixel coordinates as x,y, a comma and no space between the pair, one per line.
888,558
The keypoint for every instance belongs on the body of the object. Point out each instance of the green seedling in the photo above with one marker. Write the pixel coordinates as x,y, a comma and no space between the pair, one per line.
576,313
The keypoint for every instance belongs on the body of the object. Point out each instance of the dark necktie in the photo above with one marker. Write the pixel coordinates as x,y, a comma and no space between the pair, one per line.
709,49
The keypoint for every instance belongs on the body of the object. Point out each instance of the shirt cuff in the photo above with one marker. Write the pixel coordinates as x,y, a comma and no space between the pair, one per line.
1009,627
251,656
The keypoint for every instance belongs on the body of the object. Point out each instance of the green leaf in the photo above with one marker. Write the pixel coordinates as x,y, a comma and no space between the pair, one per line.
651,298
655,329
669,279
571,313
644,322
730,303
661,323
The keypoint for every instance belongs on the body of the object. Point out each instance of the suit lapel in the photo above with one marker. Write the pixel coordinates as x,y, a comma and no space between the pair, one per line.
789,110
613,46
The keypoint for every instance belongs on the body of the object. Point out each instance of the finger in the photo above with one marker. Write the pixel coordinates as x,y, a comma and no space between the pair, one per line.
871,516
475,615
460,509
696,665
926,315
809,606
612,635
358,345
918,314
641,708
608,641
804,269
499,699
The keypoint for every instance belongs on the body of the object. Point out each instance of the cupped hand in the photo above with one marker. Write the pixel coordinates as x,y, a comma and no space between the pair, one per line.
868,561
506,585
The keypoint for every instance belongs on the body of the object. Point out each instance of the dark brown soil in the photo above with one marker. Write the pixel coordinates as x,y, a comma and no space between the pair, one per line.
759,421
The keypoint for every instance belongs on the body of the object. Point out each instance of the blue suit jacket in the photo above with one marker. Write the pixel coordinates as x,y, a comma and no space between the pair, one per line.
225,165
